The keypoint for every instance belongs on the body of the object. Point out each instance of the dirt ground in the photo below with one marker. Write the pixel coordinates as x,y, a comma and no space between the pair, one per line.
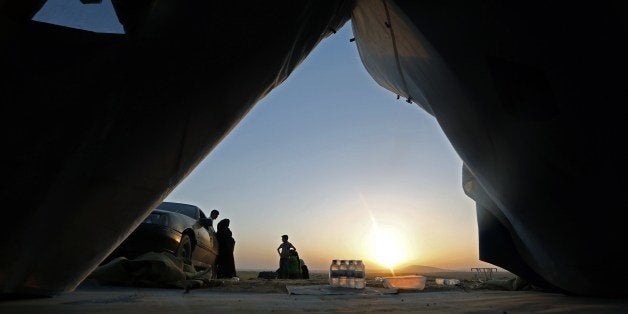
251,294
250,283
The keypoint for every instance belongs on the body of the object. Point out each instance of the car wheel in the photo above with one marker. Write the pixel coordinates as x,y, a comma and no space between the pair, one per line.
184,250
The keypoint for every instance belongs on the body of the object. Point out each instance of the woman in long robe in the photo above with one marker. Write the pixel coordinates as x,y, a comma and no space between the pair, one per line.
225,264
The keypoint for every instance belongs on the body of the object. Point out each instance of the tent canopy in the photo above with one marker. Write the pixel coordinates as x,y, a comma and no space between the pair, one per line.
106,125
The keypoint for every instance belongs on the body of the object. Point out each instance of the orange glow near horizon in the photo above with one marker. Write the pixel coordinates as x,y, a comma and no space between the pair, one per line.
387,248
387,245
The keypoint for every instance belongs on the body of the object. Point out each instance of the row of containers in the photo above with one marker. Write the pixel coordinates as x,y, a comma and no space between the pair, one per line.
347,274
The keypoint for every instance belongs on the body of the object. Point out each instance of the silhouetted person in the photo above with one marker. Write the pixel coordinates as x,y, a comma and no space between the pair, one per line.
225,264
213,216
294,262
284,256
305,272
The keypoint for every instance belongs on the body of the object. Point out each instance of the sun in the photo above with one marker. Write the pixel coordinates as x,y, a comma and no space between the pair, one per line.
387,246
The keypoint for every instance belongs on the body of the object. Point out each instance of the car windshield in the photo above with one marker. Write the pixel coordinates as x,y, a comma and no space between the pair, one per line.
185,209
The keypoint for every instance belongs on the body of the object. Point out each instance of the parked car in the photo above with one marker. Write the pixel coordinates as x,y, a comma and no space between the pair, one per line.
180,229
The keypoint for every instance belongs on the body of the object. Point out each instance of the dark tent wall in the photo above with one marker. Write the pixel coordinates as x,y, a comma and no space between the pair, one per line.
103,126
530,96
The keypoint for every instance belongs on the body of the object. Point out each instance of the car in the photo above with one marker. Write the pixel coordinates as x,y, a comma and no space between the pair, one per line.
177,228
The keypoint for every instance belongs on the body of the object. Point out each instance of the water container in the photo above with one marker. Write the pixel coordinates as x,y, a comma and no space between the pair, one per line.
342,273
360,275
334,273
452,282
351,274
411,282
447,282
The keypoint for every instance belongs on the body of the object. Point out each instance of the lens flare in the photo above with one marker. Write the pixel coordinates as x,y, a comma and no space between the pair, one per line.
387,246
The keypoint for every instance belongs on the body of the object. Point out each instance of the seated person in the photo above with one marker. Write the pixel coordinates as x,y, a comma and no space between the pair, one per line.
284,256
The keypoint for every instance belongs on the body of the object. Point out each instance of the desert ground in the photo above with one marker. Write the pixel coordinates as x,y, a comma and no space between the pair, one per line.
251,294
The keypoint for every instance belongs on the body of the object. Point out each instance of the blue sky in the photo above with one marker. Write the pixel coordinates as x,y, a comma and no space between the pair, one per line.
318,157
304,158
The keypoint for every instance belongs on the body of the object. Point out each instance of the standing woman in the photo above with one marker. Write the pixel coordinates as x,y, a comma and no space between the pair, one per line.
225,264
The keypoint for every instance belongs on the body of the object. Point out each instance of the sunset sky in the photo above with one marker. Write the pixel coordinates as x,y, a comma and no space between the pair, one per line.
320,155
324,158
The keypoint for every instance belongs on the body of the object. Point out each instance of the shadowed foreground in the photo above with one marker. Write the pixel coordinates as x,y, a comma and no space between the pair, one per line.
125,300
251,294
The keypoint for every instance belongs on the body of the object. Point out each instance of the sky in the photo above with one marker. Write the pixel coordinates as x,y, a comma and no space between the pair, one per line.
331,159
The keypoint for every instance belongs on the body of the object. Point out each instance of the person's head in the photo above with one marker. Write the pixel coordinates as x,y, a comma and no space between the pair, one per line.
223,225
214,214
284,238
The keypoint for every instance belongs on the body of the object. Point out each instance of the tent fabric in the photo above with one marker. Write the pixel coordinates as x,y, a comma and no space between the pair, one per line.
497,243
525,94
106,125
21,11
396,56
512,284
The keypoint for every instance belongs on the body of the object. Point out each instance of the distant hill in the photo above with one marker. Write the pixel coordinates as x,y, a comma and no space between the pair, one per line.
413,269
421,269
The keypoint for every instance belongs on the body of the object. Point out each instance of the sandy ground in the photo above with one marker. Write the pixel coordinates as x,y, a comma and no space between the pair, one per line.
258,295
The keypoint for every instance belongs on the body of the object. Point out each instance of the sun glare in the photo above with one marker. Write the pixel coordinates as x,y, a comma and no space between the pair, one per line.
388,247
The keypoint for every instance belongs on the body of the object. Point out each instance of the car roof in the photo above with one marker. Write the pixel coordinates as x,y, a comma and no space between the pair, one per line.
181,208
